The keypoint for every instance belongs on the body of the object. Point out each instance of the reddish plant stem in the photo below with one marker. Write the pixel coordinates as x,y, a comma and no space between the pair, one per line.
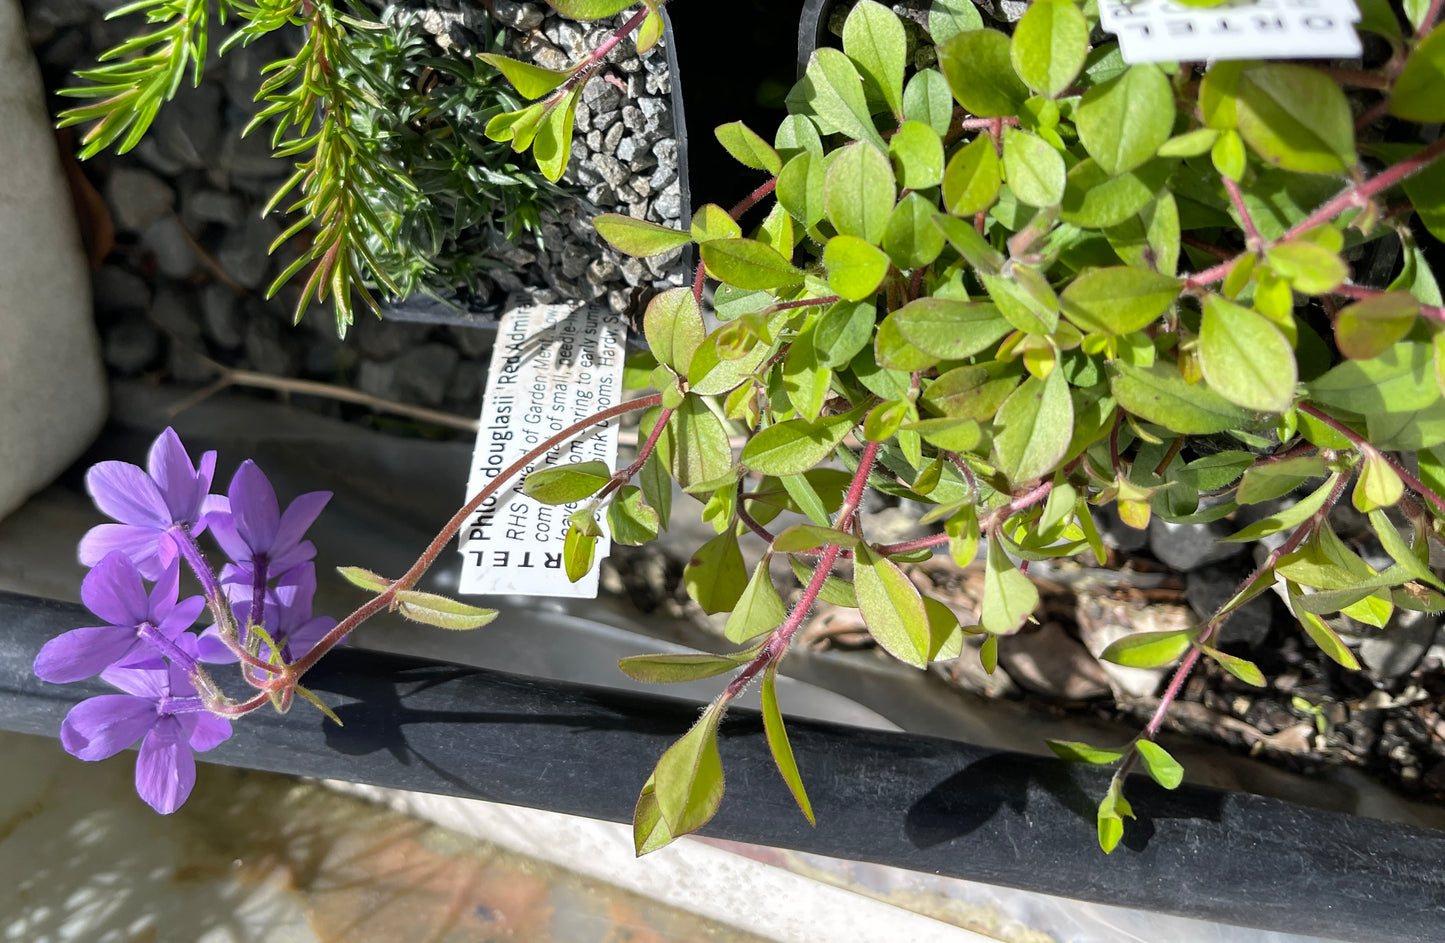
777,643
747,202
1372,114
294,671
595,58
1362,293
1358,78
962,123
226,708
1216,621
1174,448
1203,246
804,303
622,477
697,284
1358,441
994,126
908,546
750,522
1026,500
1360,193
1355,195
1251,233
1432,13
1114,445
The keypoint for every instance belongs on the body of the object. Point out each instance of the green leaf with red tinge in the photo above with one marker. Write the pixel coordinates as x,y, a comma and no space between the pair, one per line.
638,237
1163,768
1243,669
892,608
1148,649
589,9
778,743
530,81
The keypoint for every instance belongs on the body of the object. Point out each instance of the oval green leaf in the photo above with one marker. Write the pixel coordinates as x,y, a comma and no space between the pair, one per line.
1118,300
980,73
1245,357
1049,46
1122,122
859,191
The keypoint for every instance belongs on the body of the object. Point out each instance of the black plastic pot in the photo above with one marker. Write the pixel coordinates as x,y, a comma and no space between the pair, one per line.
914,802
812,30
423,309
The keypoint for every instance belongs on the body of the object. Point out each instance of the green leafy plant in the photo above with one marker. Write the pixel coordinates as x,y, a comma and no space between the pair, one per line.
1030,282
395,188
427,118
1025,284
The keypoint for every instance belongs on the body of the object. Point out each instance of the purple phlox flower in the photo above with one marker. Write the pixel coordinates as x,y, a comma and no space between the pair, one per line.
114,591
148,504
159,707
289,620
254,532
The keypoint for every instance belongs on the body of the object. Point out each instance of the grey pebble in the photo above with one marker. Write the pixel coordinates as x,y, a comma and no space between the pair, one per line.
224,324
212,206
120,290
267,349
244,254
131,344
1185,546
168,243
137,198
523,17
422,373
1209,587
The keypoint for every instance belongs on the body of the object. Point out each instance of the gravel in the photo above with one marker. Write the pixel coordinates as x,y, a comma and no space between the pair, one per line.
191,268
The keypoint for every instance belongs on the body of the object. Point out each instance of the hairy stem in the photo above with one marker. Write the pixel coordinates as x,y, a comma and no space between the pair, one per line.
1362,293
1354,196
1359,442
1216,621
747,202
777,644
1251,233
594,59
294,672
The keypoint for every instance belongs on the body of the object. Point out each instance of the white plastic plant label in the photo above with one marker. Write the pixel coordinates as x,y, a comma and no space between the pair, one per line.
553,365
1170,31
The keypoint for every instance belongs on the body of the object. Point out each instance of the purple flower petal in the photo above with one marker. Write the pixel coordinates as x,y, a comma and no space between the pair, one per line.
211,504
211,650
304,637
140,544
82,653
223,529
127,494
182,617
253,507
295,590
171,469
163,595
205,472
103,726
300,515
114,591
205,731
148,679
165,771
292,557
